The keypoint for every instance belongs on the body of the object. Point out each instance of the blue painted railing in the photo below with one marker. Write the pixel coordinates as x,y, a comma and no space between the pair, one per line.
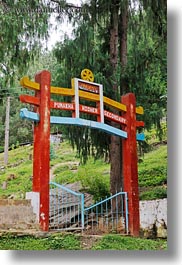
67,211
65,205
114,208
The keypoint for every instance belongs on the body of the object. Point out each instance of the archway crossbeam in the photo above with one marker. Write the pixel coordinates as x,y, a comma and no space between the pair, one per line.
30,115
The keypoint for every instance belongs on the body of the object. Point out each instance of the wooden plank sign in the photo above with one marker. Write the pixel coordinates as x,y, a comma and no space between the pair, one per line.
62,105
89,87
111,116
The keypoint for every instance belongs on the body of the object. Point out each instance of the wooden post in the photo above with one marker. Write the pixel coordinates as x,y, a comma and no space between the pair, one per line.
41,160
130,166
36,150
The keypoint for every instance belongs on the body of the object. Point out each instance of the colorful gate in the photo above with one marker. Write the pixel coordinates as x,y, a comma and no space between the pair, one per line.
67,211
87,91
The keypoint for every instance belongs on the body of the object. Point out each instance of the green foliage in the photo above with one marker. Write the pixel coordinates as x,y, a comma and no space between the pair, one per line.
21,29
97,186
20,131
152,135
63,176
147,64
117,242
93,179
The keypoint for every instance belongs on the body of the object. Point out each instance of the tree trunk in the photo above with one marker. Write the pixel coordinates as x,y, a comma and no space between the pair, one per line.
115,147
6,144
118,37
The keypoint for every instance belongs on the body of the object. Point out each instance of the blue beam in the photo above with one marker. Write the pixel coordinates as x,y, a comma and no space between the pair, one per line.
88,123
140,137
26,114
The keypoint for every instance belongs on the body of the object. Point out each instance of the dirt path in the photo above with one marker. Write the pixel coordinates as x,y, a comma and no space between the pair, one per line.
52,169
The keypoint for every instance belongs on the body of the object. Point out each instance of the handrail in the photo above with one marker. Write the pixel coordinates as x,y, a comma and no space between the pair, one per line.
65,188
107,199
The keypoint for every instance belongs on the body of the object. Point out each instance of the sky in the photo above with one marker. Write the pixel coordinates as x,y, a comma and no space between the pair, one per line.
64,28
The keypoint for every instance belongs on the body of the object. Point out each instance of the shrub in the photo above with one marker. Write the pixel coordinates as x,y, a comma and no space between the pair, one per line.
97,185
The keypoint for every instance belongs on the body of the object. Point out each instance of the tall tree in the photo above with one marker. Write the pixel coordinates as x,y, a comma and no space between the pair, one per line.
103,44
115,145
21,28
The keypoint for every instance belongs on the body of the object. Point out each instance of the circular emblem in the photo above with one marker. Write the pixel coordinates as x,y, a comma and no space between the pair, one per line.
87,75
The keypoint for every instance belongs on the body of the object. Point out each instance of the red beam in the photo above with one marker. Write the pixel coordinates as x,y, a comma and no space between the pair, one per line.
140,124
114,117
30,99
88,109
62,105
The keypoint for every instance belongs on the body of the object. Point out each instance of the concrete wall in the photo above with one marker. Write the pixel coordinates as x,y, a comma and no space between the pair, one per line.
17,214
153,218
23,214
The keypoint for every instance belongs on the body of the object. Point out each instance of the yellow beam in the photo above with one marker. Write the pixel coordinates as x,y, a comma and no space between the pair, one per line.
62,91
114,104
139,110
26,82
89,96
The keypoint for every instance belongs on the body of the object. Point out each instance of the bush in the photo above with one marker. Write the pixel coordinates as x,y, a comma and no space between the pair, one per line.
97,185
1,149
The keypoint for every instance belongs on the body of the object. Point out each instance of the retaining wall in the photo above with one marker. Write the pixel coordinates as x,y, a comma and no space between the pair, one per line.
153,218
17,214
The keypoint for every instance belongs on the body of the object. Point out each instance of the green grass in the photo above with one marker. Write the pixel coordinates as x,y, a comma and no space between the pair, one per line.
64,153
152,174
73,242
21,167
117,242
59,242
94,175
17,155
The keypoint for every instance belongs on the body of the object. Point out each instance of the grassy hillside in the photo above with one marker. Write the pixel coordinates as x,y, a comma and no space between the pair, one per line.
16,178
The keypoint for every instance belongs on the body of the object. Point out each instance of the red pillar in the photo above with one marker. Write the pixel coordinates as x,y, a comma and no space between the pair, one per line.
130,164
36,151
42,148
